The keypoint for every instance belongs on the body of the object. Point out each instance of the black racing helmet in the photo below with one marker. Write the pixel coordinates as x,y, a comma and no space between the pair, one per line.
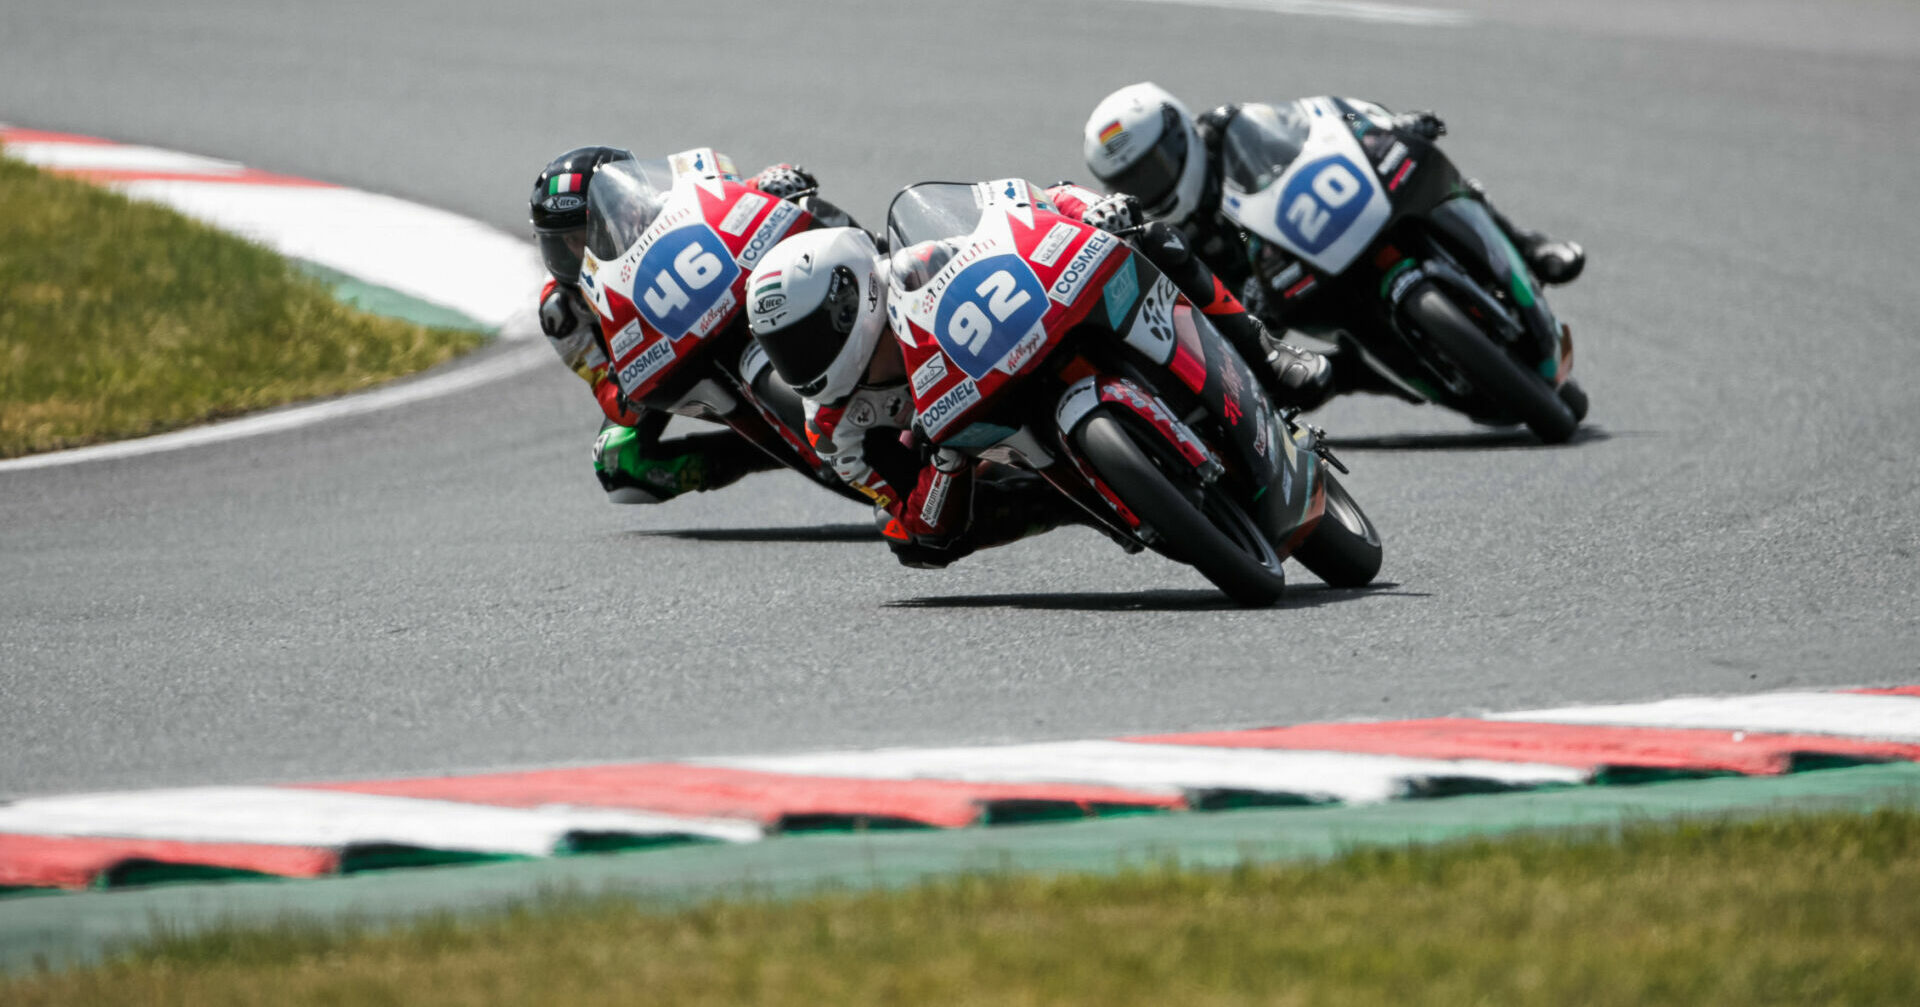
559,206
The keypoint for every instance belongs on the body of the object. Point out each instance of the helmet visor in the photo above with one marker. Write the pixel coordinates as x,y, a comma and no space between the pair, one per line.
804,353
561,250
1154,178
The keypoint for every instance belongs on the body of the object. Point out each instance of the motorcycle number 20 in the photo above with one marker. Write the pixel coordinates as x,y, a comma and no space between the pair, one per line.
1320,202
684,273
986,310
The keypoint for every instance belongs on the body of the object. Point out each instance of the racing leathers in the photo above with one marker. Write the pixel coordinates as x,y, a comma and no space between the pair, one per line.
630,460
1275,286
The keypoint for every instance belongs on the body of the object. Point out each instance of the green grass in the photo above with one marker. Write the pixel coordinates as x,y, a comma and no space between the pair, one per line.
119,319
1794,910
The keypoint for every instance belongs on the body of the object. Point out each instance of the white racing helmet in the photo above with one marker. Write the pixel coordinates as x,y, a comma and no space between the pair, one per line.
1140,140
816,305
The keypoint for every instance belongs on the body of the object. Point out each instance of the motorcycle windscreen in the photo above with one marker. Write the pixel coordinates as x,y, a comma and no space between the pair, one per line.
1261,143
625,197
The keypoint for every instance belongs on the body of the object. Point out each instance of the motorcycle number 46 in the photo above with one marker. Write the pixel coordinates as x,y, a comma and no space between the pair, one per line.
1320,202
680,277
986,310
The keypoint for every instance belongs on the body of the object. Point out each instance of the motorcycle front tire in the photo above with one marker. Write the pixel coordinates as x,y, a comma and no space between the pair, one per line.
1488,367
1198,524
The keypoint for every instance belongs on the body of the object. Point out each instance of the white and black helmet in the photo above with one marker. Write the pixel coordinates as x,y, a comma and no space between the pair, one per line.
816,305
1140,140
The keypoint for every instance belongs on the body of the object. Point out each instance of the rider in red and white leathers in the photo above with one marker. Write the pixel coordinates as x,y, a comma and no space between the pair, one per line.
816,305
631,461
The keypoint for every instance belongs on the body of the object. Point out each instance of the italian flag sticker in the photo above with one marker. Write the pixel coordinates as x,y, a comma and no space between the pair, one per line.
563,183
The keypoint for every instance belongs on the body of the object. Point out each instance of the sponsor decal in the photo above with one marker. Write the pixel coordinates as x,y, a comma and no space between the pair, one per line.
1066,289
1024,350
562,203
1048,251
1286,277
645,366
1261,440
929,375
715,315
1122,289
1152,329
1401,175
1395,154
743,212
1300,288
936,499
769,233
861,413
958,400
626,339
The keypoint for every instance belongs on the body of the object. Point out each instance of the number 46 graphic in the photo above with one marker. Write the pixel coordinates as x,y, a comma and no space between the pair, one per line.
690,271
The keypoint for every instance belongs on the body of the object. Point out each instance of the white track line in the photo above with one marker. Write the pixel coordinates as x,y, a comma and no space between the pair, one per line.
1380,13
1889,718
332,819
1355,779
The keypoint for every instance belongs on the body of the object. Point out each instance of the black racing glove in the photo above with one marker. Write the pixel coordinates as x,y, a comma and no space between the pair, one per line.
1422,123
785,181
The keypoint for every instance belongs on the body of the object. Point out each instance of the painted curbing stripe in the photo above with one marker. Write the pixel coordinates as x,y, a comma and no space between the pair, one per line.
276,816
1888,718
1898,690
76,861
1593,748
1309,776
774,800
460,378
420,251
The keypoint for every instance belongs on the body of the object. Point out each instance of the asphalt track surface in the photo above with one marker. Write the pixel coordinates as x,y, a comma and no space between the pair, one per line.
443,587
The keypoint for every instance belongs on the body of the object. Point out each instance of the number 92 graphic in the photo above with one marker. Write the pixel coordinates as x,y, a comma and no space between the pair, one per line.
1321,202
685,273
986,310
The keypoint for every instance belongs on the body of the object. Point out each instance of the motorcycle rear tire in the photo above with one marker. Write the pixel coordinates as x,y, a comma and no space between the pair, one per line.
1491,371
1344,548
1197,523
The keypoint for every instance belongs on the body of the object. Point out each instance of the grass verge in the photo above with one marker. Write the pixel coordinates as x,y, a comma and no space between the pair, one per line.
1795,909
120,319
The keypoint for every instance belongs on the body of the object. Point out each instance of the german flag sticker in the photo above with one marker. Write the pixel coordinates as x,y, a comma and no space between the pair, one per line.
1111,131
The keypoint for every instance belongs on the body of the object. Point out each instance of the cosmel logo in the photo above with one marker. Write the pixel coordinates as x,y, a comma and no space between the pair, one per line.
1320,202
986,309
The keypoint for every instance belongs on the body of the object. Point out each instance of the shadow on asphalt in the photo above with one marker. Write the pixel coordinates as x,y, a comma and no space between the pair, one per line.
1193,600
1476,440
819,533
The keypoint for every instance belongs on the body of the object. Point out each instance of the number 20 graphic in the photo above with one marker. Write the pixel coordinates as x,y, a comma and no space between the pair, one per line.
969,326
1335,186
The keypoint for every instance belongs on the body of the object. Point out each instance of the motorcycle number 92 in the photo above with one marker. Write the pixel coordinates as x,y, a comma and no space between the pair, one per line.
1320,202
987,308
685,273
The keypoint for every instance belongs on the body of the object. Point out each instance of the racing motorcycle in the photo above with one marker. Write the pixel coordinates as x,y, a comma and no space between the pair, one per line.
670,244
1036,341
1408,266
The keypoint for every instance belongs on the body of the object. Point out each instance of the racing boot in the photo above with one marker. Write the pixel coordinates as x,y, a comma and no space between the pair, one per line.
1552,262
632,474
1352,373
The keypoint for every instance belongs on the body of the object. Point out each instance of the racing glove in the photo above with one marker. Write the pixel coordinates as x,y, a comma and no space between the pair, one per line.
1113,214
1422,123
785,181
